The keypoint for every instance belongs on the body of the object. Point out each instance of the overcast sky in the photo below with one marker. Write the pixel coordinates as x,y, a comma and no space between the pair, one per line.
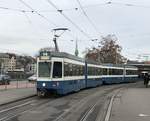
27,32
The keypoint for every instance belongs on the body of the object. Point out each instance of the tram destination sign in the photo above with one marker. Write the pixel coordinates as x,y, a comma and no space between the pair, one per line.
45,56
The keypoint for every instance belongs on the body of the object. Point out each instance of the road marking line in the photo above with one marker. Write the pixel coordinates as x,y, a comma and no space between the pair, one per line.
108,113
143,115
17,106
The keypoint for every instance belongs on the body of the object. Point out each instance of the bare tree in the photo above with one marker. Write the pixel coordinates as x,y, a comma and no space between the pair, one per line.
108,51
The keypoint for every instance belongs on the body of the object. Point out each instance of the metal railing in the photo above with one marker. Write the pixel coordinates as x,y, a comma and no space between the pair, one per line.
17,84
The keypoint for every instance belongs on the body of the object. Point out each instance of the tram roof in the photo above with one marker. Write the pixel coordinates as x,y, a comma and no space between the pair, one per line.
73,57
64,55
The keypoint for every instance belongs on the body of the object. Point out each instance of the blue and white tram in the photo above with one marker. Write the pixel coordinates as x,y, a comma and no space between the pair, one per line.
62,73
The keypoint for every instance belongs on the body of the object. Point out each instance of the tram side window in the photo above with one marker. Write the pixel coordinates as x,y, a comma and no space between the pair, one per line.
93,71
117,72
75,70
104,71
70,70
110,71
96,71
57,70
99,71
89,71
120,72
78,70
66,69
81,70
128,72
131,72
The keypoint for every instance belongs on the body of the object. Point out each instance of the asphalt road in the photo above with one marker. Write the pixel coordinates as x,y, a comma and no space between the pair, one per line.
86,105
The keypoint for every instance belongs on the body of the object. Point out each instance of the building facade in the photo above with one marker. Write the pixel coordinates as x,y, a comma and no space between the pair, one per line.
12,63
4,62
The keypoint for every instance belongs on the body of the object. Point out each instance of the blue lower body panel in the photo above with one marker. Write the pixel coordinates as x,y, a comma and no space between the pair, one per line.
61,87
94,82
131,79
117,80
64,87
113,80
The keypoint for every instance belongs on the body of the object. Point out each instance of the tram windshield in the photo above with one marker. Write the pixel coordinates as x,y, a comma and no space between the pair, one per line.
44,69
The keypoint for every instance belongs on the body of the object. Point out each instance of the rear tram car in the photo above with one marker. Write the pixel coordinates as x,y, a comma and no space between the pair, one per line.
62,73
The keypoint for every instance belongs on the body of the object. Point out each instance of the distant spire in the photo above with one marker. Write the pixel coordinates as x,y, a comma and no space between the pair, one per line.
76,49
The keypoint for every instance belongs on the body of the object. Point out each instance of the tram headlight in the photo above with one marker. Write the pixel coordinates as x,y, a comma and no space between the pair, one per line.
43,84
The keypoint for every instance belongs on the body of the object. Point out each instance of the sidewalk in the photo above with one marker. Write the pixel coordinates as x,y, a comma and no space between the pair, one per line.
132,104
12,95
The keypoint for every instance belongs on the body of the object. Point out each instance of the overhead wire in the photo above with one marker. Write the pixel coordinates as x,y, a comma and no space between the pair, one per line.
127,4
34,11
39,14
67,18
29,21
50,22
75,8
32,25
45,11
28,11
27,17
14,9
61,11
86,15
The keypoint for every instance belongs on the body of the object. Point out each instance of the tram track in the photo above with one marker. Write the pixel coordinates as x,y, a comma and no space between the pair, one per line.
17,102
105,103
97,107
87,105
85,113
16,108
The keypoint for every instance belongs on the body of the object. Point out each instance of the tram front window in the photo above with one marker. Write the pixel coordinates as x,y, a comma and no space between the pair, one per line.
57,70
44,69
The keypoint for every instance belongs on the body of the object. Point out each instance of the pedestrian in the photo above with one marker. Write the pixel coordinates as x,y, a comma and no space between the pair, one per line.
146,79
